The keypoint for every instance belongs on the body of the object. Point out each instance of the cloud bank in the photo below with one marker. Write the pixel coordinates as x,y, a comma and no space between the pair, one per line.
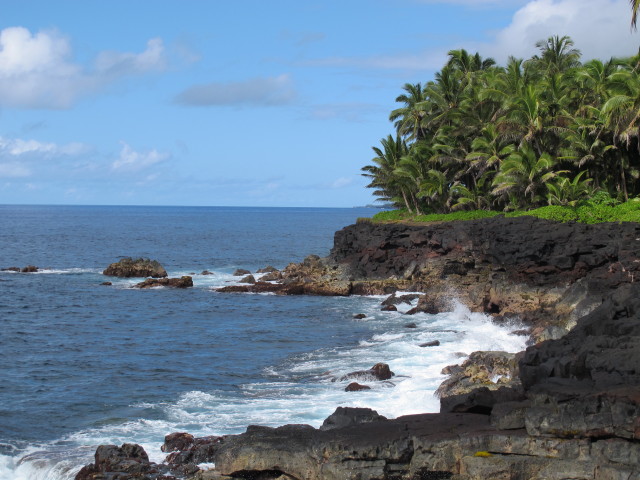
37,70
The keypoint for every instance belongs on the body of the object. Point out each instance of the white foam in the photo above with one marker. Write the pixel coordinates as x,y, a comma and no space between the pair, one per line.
304,389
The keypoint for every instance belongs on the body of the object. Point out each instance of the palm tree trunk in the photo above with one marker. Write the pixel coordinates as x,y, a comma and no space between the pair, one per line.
406,202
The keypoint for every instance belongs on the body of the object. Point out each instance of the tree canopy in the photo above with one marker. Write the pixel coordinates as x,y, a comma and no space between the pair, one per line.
548,130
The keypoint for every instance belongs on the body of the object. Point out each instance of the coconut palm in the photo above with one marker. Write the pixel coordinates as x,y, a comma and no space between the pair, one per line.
409,119
635,5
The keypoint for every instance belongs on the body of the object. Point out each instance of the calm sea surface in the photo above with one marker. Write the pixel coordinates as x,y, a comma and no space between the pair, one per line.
83,364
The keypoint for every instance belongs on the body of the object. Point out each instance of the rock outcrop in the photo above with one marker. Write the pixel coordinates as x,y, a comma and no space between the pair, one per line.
141,267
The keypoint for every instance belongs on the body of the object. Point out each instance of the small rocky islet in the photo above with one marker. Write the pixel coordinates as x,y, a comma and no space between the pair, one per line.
566,408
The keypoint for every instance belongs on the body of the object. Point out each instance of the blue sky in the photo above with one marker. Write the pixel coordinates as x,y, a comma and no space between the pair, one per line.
244,102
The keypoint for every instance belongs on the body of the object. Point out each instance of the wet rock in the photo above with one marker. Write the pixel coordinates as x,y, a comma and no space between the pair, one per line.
411,325
128,462
356,387
359,316
177,441
106,283
206,272
248,279
183,282
433,343
10,269
187,452
380,371
347,416
389,308
29,269
141,267
240,272
400,299
471,385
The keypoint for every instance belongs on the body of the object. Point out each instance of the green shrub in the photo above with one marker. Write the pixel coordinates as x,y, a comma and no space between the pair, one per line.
391,215
553,212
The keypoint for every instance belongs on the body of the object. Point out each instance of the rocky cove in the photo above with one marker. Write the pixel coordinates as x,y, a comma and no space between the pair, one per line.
569,411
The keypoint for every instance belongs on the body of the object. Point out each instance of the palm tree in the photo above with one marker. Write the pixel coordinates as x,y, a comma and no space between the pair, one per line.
523,175
409,119
389,186
556,55
635,6
563,191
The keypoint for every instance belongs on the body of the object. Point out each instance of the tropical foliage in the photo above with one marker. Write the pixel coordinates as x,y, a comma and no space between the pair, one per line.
545,131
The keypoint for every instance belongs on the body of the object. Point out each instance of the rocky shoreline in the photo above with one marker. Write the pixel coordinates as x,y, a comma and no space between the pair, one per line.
568,409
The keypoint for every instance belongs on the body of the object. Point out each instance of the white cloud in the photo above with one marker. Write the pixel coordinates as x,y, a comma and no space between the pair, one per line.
37,70
599,28
18,147
133,161
262,91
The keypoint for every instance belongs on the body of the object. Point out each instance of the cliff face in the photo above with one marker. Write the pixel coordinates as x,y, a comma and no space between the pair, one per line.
575,413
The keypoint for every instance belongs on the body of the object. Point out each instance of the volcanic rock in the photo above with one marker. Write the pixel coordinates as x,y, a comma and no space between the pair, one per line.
240,272
267,269
347,416
356,387
182,282
29,269
141,267
380,371
247,279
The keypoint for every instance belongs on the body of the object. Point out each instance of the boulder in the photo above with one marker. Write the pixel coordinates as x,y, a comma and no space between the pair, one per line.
128,462
29,269
247,279
433,343
240,272
347,416
10,269
141,267
206,272
359,316
380,371
356,387
182,282
106,283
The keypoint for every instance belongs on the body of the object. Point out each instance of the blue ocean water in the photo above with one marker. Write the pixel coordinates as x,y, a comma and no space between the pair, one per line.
84,364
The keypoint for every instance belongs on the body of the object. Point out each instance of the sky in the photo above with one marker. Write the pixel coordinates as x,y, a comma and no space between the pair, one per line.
243,102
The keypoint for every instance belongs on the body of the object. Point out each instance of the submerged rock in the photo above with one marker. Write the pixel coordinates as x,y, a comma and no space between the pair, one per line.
356,387
380,371
11,269
29,269
141,267
183,282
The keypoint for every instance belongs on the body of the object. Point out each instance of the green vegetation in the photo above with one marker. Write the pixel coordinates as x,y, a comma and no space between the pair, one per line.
600,208
543,136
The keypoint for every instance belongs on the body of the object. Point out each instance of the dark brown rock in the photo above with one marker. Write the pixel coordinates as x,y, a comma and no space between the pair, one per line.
183,282
11,269
433,343
240,272
29,269
347,416
106,283
359,316
247,279
356,387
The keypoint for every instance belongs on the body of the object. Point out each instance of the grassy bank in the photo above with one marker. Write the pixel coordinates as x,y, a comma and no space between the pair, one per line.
597,210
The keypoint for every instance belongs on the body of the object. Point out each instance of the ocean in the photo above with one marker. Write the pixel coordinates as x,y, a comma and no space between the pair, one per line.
84,364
